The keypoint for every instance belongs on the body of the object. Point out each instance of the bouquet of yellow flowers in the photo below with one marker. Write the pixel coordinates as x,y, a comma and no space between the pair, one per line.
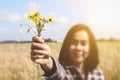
39,21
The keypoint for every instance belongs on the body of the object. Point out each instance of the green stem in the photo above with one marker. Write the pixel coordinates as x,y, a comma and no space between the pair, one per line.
39,31
39,34
39,28
30,28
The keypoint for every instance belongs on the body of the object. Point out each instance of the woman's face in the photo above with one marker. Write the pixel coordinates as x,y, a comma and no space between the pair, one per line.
79,47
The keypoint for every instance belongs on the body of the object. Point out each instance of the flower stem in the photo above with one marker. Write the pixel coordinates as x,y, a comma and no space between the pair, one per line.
29,27
39,34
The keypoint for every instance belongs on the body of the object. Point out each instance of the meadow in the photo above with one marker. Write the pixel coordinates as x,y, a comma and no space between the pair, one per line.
15,62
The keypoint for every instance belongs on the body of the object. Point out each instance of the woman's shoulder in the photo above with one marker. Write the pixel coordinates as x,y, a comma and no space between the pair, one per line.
96,74
97,71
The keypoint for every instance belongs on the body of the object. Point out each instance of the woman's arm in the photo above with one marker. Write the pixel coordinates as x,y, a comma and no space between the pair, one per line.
57,72
40,53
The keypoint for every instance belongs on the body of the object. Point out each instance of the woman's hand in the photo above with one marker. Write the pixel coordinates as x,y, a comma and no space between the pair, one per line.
40,53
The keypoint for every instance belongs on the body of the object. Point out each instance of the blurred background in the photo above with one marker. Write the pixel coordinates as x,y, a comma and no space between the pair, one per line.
102,16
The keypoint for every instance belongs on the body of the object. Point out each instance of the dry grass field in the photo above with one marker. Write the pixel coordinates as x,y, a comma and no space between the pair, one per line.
15,63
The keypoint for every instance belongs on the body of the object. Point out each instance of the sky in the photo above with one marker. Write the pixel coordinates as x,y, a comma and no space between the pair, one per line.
102,16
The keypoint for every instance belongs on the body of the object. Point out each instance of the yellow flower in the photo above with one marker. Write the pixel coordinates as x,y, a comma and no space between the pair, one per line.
36,19
42,17
37,14
39,21
30,16
50,19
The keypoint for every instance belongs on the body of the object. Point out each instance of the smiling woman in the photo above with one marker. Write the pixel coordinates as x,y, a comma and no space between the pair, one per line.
78,59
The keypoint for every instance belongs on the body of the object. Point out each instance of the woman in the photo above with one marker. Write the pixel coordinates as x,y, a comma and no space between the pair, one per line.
78,59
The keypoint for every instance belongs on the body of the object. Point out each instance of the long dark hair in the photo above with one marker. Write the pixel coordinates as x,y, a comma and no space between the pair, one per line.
92,60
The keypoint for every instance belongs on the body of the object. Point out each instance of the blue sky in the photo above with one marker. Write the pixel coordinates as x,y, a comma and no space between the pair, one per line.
102,16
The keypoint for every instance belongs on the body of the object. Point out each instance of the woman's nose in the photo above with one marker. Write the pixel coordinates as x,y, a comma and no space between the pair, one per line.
79,47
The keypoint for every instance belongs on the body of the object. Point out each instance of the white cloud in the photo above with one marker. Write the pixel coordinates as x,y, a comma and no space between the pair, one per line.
61,20
32,6
92,1
3,11
9,17
80,0
101,15
3,30
14,17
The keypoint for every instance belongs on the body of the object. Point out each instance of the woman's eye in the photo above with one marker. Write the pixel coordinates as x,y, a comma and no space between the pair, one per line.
74,42
83,43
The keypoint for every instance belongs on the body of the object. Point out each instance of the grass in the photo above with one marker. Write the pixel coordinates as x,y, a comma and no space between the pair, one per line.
109,59
15,63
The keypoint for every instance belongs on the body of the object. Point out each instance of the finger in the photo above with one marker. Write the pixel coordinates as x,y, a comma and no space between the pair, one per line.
47,48
40,53
37,46
38,59
32,53
38,56
37,39
41,61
